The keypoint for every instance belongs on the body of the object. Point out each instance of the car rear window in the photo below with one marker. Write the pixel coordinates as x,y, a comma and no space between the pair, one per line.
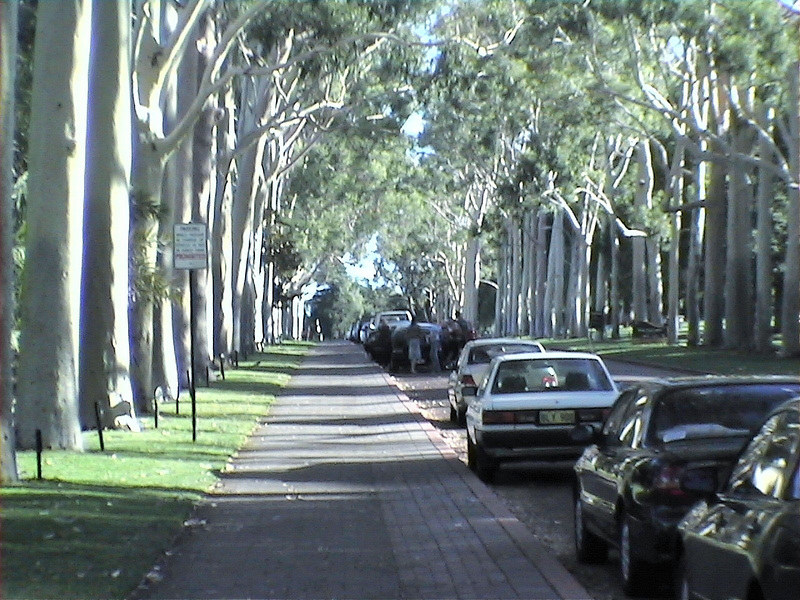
559,375
717,411
484,354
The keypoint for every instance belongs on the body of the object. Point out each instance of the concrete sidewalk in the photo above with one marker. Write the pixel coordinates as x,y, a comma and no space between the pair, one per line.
346,491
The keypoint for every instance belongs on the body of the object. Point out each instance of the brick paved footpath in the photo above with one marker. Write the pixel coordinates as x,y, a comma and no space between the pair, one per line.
345,491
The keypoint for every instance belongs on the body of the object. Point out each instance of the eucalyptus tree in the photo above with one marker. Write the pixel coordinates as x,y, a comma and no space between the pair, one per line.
47,383
728,78
475,114
8,56
104,349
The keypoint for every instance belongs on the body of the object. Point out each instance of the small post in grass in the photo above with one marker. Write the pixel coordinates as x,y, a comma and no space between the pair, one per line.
193,392
99,420
156,393
39,454
208,377
222,366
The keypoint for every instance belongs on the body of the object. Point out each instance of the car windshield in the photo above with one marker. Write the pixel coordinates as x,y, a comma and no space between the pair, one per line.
716,411
551,374
484,354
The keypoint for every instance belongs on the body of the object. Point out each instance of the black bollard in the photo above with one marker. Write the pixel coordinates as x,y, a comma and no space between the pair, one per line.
155,408
208,377
99,426
193,392
39,454
222,366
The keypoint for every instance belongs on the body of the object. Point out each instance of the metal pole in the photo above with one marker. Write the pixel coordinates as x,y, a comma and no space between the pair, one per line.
192,353
99,426
39,454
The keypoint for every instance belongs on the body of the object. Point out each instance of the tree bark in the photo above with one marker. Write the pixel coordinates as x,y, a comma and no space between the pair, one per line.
50,297
105,353
762,335
790,326
9,10
642,199
203,188
738,282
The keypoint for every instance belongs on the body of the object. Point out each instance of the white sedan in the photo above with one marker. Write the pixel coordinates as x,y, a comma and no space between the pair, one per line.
527,405
472,365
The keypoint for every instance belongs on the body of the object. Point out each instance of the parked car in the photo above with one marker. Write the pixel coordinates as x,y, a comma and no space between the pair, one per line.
393,318
745,541
527,405
630,487
472,365
399,345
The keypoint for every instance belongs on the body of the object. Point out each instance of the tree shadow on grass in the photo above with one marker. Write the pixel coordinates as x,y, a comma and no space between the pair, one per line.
67,540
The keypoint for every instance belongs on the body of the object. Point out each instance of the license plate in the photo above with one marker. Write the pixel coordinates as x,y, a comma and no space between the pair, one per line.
556,417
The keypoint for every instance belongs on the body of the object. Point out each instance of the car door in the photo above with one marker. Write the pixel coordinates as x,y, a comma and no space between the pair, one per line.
596,467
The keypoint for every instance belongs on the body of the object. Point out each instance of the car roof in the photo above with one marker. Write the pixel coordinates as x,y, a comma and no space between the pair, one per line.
549,355
500,340
692,381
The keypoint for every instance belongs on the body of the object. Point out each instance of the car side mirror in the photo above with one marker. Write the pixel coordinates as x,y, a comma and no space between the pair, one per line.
700,480
584,433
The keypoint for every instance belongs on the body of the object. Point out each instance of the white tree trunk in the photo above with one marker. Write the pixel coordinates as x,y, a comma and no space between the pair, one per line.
221,238
764,304
738,271
541,271
472,273
179,210
554,297
696,228
790,326
615,297
642,199
203,188
105,353
50,300
8,57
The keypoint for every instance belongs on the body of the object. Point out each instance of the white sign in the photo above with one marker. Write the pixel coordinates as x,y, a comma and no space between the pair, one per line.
189,246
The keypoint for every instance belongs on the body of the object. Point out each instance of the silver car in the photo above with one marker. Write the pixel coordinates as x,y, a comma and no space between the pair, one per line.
527,405
472,365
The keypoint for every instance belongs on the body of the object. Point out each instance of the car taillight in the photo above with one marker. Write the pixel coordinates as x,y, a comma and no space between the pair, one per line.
667,479
498,417
467,379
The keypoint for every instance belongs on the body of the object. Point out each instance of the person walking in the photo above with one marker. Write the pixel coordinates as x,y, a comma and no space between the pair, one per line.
414,336
435,345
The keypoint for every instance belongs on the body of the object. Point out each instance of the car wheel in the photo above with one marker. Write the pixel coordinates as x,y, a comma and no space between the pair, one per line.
485,465
589,548
470,453
633,570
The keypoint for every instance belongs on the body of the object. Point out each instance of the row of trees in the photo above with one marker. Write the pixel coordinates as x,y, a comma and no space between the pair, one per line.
633,159
143,115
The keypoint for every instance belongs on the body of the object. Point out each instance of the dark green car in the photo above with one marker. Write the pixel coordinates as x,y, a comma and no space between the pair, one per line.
745,542
642,472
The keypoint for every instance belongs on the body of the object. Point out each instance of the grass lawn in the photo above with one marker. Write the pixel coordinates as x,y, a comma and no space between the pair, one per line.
701,359
97,521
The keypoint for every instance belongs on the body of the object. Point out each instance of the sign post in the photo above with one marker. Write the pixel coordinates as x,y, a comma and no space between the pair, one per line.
190,252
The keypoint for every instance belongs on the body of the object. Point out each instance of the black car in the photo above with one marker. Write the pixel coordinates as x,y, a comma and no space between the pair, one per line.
745,542
630,484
